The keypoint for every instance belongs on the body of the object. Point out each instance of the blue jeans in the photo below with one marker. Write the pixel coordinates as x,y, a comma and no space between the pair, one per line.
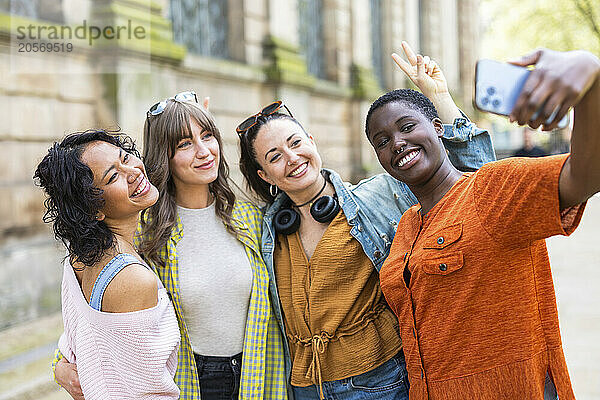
389,381
219,376
549,389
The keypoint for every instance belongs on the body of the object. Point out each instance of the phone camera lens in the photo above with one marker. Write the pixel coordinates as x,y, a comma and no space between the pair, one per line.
491,90
485,101
496,103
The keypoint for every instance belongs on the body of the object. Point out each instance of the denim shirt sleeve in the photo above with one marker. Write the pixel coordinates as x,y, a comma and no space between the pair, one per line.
469,147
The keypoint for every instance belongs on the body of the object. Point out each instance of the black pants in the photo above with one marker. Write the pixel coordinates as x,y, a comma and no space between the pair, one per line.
219,376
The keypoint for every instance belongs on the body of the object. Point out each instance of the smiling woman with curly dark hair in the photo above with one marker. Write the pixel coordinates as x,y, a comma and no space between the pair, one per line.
97,186
72,207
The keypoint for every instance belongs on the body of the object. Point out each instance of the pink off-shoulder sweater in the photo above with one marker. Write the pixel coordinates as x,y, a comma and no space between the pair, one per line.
120,355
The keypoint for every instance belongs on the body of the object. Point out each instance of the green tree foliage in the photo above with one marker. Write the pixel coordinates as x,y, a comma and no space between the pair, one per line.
514,27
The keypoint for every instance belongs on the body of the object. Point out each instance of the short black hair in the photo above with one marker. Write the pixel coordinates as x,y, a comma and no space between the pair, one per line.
73,201
412,98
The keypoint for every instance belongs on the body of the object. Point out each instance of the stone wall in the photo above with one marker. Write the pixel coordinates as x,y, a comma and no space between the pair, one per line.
266,64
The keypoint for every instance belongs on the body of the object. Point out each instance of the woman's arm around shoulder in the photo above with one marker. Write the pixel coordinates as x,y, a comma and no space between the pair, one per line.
65,374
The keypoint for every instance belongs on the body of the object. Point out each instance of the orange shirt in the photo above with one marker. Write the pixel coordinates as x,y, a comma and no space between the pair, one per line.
337,321
478,318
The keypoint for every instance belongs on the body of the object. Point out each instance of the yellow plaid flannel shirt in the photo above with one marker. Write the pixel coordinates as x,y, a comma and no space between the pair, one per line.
263,375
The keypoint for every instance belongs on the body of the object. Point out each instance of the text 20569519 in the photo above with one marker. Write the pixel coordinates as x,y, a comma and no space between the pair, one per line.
44,47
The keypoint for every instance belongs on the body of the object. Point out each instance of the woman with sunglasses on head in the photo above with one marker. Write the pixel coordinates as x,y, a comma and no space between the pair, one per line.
120,327
205,246
324,241
205,243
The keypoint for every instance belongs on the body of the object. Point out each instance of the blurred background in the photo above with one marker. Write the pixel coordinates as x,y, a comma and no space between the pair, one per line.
326,59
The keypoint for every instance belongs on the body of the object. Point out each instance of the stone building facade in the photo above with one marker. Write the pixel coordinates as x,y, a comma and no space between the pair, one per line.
326,59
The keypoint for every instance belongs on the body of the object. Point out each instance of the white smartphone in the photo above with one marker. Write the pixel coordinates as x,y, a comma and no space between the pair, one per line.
497,88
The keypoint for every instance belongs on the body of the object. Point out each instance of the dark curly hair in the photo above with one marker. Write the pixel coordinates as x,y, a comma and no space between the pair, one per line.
412,98
248,163
73,201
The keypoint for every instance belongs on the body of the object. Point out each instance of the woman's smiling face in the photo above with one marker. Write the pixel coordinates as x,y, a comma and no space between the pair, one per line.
287,155
122,178
407,144
196,159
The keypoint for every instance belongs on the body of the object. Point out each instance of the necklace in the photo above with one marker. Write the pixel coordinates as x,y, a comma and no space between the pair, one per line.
315,196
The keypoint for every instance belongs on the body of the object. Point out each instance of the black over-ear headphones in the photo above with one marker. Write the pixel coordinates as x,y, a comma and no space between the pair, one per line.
324,209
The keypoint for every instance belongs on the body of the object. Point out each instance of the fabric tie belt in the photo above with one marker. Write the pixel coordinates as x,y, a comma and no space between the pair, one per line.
318,344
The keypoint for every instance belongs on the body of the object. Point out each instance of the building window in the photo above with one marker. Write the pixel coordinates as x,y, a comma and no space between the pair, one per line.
45,10
377,41
201,26
310,26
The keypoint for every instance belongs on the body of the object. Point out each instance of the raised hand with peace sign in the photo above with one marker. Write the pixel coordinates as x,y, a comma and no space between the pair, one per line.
426,74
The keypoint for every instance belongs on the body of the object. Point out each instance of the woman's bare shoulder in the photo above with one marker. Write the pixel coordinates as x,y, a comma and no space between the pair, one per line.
134,288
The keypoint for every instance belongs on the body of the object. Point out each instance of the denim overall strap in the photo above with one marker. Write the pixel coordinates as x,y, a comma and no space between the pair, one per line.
107,274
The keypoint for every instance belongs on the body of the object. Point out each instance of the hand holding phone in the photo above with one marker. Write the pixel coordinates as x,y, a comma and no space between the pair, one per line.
498,86
559,80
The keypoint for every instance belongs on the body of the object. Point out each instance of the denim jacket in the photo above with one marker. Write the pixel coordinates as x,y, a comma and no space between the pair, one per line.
374,206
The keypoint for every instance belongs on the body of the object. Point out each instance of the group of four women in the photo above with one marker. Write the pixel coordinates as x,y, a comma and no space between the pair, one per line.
286,301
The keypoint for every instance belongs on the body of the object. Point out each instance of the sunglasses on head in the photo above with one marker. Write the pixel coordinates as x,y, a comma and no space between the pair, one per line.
180,97
253,119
